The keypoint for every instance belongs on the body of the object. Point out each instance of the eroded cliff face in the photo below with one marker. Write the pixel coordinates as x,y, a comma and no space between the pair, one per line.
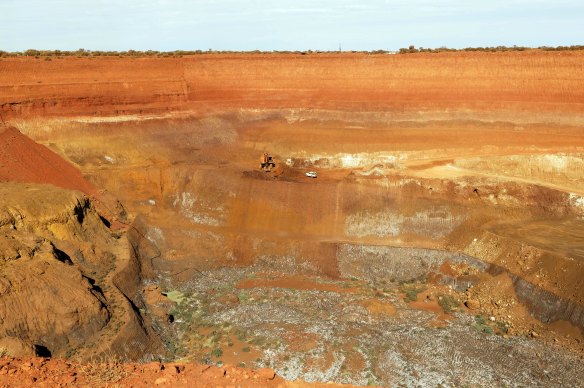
60,262
49,298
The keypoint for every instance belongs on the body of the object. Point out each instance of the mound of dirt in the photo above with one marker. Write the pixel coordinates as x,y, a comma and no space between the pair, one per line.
23,160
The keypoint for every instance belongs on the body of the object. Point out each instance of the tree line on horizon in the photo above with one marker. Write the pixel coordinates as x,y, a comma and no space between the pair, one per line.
47,54
413,49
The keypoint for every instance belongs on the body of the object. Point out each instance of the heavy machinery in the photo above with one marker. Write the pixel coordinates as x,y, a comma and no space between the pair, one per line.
267,162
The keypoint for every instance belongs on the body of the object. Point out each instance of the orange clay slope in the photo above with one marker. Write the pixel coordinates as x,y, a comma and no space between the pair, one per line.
23,160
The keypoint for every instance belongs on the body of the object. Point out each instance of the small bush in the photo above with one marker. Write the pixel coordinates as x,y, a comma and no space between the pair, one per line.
101,373
502,327
481,324
411,294
243,297
32,53
217,352
479,319
448,303
246,349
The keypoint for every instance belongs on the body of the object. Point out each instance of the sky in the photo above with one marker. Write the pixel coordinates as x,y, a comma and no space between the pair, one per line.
168,25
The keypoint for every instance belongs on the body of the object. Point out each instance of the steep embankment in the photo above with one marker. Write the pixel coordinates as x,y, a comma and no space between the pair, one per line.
534,81
23,160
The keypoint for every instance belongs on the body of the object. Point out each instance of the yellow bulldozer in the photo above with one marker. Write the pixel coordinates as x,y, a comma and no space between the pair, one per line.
267,162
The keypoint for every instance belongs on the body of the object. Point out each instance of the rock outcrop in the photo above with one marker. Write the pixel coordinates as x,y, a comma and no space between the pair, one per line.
49,299
59,263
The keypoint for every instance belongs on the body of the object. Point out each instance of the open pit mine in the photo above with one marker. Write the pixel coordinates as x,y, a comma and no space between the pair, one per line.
364,219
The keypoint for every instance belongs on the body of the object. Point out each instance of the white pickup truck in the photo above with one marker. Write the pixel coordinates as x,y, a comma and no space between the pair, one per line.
311,174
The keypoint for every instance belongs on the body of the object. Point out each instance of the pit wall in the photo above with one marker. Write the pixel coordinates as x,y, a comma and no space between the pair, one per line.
204,211
383,210
189,178
532,81
203,219
396,264
399,264
549,284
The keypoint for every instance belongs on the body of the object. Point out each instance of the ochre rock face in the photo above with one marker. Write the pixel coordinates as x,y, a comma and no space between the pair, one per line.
533,81
45,299
59,265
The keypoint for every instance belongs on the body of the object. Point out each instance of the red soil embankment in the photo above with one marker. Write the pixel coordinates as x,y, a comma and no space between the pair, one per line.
23,160
531,81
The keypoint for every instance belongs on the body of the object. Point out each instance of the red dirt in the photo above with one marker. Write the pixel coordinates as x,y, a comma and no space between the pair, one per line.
293,282
62,373
23,160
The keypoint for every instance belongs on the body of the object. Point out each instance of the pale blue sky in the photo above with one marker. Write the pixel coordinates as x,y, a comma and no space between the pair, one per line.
286,24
